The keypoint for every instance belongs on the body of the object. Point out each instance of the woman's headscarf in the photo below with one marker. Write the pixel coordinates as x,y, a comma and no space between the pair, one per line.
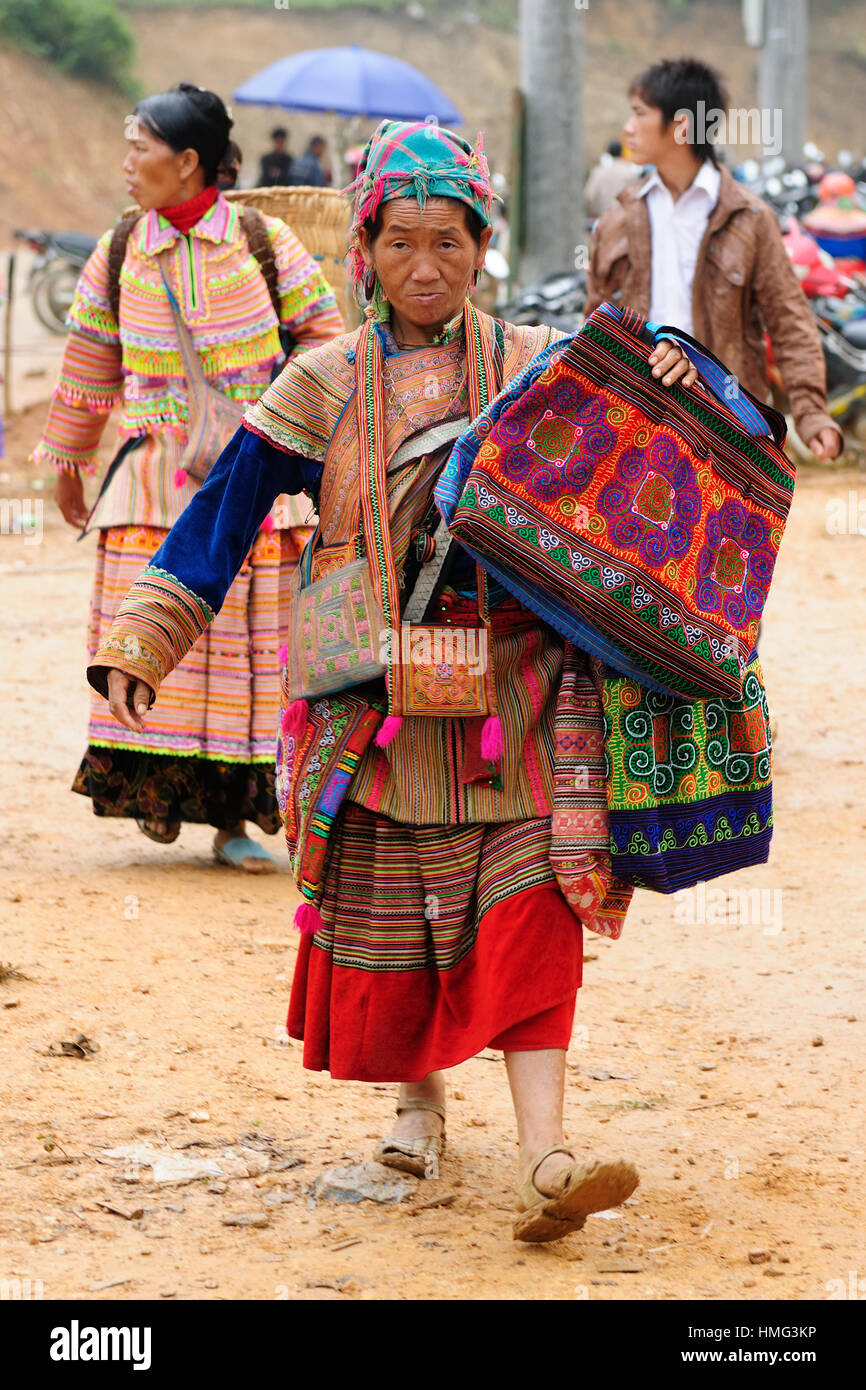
414,159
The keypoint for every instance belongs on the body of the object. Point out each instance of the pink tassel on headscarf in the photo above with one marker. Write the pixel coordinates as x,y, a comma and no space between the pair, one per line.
283,654
492,746
294,720
389,730
180,477
308,919
268,523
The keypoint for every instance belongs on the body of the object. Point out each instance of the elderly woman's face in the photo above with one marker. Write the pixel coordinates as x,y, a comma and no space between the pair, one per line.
425,259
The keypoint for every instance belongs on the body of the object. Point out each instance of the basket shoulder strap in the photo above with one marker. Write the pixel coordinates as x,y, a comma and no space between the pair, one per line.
116,254
260,245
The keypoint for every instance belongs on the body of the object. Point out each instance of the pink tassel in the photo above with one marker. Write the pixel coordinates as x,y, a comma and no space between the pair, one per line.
180,477
283,654
492,746
389,730
294,720
268,523
308,919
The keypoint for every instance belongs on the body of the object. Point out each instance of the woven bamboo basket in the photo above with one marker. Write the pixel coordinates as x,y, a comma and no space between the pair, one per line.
319,217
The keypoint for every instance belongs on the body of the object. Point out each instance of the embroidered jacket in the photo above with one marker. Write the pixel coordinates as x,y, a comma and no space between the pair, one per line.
303,435
135,363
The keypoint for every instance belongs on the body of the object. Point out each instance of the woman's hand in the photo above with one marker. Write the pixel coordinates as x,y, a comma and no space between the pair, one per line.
671,363
69,496
128,700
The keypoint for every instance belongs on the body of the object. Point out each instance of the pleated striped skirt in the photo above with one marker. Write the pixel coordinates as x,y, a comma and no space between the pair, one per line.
438,941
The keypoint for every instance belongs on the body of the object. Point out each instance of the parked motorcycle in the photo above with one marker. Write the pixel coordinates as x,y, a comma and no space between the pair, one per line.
59,258
557,301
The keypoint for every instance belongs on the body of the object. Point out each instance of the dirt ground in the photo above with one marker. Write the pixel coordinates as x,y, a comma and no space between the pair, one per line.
725,1055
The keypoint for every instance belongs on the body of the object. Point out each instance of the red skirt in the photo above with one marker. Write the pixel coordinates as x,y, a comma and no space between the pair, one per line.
438,941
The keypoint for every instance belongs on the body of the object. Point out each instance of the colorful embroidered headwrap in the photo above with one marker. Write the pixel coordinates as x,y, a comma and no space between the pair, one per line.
413,159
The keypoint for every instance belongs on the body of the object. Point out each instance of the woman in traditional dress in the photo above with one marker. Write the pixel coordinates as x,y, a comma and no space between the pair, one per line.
208,753
433,925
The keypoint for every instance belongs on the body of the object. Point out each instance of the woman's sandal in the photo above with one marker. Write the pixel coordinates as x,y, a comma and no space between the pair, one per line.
417,1156
166,837
243,853
578,1190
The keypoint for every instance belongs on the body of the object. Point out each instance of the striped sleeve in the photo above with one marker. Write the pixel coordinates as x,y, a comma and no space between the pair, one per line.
90,383
178,595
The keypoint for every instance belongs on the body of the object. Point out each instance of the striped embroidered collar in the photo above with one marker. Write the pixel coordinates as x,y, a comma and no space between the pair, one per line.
219,223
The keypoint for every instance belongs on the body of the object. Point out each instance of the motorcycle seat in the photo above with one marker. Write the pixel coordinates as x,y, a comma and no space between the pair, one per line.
77,245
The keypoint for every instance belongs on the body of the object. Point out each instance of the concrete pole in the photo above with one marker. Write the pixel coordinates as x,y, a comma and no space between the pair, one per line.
782,83
551,37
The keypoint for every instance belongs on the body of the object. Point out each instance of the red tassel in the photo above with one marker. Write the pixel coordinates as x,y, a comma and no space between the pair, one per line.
389,730
283,654
268,523
180,477
294,719
492,746
308,919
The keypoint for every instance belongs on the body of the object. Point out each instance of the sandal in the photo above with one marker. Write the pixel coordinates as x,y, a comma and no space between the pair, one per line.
166,837
578,1190
417,1156
244,853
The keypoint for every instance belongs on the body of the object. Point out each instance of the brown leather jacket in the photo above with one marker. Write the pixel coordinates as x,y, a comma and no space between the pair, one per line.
744,283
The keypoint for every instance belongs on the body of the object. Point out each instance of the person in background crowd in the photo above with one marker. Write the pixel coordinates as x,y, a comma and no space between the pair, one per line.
690,247
309,170
275,167
610,176
230,167
208,756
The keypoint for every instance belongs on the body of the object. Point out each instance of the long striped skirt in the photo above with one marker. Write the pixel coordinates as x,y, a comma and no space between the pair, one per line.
208,752
438,941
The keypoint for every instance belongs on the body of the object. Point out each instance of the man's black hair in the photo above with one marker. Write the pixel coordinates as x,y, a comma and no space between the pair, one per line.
279,132
679,84
615,149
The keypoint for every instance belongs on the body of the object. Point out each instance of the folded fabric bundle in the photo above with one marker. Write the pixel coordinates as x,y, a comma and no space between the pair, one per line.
689,789
641,521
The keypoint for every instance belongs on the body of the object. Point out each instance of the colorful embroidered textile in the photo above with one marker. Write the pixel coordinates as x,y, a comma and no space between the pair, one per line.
223,702
688,784
580,844
413,159
435,940
137,365
642,521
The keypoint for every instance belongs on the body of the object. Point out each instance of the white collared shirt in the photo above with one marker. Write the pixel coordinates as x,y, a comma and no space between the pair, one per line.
677,229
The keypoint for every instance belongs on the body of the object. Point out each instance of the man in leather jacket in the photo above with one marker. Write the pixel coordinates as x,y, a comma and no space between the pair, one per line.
688,246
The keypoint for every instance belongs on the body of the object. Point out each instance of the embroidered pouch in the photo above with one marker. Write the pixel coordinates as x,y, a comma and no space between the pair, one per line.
439,670
334,631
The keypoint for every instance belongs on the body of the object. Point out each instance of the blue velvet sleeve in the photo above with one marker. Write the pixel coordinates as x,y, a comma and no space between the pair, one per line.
210,540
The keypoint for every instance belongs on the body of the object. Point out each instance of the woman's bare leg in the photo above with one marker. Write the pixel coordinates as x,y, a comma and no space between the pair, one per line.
537,1081
418,1124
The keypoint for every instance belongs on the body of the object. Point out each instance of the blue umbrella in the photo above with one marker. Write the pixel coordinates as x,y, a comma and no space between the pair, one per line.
351,81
